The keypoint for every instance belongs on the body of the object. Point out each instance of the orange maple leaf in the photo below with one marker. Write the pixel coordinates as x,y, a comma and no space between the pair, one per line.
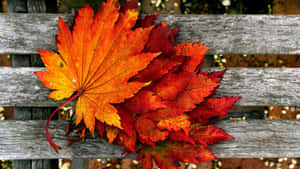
95,62
111,133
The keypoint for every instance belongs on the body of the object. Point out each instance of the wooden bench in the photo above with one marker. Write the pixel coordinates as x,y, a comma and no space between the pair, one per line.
23,34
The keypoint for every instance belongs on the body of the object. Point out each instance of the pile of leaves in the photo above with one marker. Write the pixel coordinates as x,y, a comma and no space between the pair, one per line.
135,87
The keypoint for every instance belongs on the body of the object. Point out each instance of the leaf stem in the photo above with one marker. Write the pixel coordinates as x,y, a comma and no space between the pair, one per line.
69,125
71,141
56,147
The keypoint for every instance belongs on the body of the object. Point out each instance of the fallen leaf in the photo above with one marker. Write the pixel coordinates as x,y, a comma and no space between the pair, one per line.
96,61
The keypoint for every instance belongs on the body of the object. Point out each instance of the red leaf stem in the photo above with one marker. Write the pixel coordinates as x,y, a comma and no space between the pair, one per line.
56,147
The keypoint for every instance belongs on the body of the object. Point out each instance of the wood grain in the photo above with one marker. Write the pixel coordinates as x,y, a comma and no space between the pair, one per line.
27,113
230,34
253,138
257,86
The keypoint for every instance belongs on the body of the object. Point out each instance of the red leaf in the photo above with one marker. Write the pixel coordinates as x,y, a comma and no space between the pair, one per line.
147,21
100,128
158,67
132,4
172,84
127,141
189,153
127,121
144,102
161,40
197,90
167,152
213,108
146,156
181,136
208,135
176,123
172,110
215,76
195,53
148,131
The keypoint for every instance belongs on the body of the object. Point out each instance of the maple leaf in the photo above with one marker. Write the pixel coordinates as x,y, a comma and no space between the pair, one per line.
172,110
166,154
159,67
128,141
147,21
186,89
149,132
181,136
127,120
172,84
161,40
213,108
95,62
196,91
100,127
161,34
111,133
133,4
207,135
144,102
176,123
108,61
214,76
195,53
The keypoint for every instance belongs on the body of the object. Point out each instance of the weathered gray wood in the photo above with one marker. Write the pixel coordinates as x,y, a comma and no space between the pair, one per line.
231,34
27,113
253,138
257,86
22,113
18,61
36,6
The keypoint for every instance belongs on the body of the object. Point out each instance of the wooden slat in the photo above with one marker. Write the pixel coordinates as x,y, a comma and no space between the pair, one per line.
22,113
257,86
253,138
230,34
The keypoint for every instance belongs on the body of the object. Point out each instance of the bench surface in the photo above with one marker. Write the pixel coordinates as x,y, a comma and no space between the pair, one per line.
253,138
231,34
257,86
